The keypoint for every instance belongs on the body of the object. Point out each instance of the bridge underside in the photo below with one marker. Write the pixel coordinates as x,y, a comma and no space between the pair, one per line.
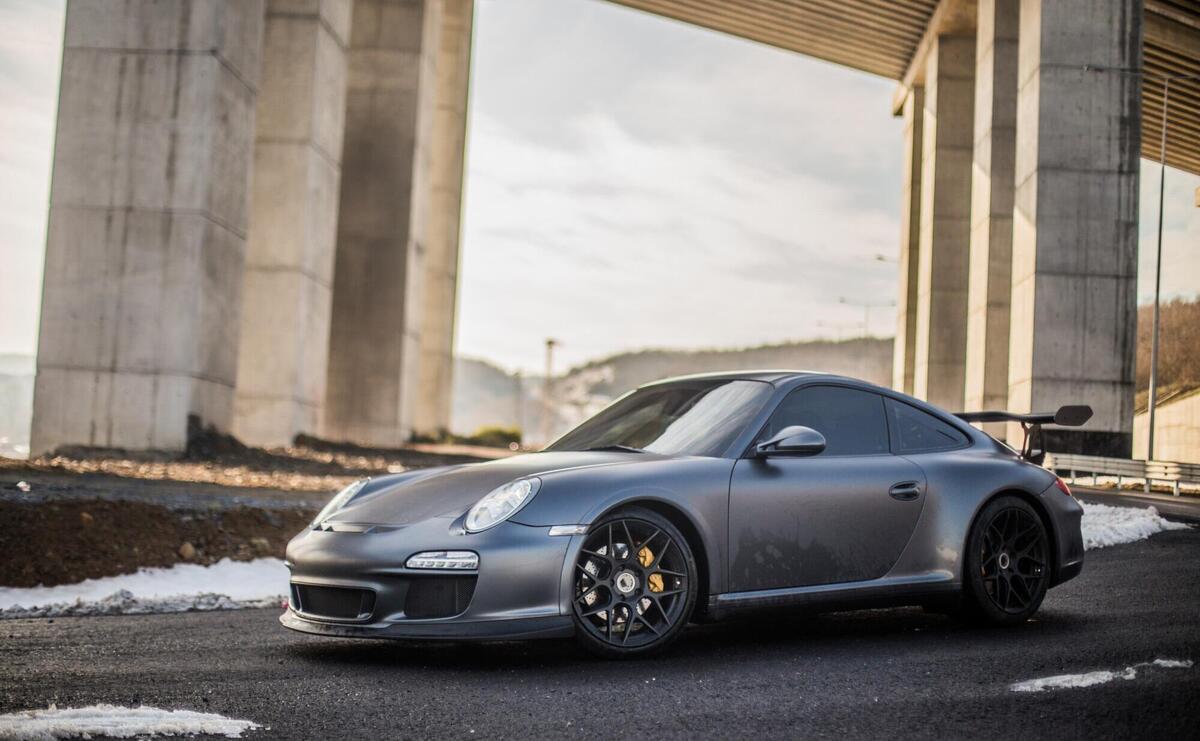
891,38
255,206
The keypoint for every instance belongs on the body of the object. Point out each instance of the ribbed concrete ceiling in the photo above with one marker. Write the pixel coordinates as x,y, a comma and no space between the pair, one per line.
877,36
1172,47
883,37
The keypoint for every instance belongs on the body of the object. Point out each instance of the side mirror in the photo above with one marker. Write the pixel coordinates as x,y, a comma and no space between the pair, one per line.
794,440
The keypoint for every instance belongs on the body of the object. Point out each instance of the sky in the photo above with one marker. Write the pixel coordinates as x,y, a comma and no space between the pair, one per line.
631,182
30,55
638,182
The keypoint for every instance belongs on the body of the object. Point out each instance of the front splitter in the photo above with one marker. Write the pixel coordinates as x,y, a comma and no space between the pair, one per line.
517,629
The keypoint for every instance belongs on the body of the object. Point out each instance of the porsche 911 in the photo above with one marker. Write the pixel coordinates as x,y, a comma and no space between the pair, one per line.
698,499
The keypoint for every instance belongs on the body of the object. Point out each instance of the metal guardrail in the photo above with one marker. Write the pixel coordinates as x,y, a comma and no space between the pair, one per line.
1167,472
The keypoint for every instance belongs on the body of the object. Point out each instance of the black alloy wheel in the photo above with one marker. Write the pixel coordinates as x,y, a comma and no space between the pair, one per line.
634,584
1008,562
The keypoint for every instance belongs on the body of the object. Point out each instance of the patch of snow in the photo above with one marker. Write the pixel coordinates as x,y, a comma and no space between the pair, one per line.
1172,663
1091,679
117,722
1063,681
225,585
1104,525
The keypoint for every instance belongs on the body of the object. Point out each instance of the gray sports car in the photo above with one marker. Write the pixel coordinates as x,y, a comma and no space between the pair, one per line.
696,499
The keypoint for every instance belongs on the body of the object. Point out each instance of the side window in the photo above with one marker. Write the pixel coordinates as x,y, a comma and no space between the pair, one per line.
914,431
851,420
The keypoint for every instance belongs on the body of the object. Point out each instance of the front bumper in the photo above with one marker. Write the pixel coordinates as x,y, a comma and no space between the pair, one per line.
516,592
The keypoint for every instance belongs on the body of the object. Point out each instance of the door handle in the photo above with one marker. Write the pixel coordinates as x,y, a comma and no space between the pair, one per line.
905,491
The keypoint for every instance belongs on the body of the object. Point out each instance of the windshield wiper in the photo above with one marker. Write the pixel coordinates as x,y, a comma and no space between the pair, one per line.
617,448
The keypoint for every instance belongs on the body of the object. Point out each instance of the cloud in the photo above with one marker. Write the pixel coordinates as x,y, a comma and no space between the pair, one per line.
675,244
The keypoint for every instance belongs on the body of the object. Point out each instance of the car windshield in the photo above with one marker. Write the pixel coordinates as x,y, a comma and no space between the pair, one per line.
685,418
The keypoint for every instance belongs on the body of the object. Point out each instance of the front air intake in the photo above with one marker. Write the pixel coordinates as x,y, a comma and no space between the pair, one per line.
438,596
333,603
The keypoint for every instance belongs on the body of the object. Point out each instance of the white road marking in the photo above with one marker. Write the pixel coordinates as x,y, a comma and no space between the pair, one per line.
117,722
1091,679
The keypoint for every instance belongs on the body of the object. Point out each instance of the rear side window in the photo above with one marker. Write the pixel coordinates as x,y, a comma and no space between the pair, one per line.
851,420
914,431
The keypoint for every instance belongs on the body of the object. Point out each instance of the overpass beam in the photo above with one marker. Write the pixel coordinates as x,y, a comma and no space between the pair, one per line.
941,322
904,348
147,225
388,237
293,225
1074,271
990,271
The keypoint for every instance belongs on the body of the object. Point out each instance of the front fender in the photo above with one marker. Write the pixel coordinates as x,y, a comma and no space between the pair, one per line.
695,488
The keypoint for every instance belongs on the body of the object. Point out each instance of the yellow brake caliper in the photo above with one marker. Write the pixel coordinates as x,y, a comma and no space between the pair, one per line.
645,558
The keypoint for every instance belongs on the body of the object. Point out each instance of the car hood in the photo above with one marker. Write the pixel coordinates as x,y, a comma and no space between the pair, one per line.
450,491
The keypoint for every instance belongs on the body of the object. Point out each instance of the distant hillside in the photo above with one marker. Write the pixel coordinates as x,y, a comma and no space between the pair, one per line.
1179,349
486,395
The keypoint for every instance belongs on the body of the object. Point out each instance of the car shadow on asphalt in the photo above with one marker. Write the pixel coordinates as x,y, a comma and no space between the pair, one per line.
893,630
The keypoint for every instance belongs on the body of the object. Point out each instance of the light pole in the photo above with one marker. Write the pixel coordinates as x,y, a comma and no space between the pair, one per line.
519,407
1162,183
547,384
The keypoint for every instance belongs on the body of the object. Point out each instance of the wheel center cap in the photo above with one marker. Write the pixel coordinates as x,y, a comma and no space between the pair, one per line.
1004,560
626,582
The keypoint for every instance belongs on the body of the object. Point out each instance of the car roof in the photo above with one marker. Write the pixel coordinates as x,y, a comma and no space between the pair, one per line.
774,377
783,379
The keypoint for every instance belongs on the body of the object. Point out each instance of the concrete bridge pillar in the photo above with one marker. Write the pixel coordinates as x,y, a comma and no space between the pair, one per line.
904,351
990,271
941,321
1074,271
432,413
293,222
387,239
147,226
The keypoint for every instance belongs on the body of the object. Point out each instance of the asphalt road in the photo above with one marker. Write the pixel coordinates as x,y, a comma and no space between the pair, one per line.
875,674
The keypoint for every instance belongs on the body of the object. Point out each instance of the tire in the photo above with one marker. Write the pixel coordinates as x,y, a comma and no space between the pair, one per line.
634,585
1008,564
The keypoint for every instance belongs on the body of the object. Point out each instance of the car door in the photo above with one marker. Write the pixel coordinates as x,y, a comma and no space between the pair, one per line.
843,515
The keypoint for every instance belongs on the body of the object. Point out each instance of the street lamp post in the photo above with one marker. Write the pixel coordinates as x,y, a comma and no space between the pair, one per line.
519,407
1162,181
547,386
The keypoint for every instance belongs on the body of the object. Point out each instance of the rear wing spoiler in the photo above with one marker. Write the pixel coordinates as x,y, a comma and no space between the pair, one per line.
1031,424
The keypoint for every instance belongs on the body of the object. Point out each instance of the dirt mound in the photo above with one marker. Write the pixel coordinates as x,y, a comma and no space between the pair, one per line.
69,541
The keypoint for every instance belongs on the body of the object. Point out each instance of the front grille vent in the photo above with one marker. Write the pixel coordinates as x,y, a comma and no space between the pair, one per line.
438,596
336,603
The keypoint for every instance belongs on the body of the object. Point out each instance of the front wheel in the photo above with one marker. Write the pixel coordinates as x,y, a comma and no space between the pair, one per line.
1008,562
634,584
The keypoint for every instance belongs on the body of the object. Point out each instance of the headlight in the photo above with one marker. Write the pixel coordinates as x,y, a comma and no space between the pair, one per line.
339,500
500,503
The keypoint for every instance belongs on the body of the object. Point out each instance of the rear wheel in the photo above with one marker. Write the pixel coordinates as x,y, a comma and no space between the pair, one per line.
1008,562
634,584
